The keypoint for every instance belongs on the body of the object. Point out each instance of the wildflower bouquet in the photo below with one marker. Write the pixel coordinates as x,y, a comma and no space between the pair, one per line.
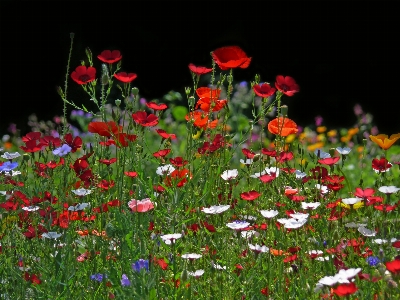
227,201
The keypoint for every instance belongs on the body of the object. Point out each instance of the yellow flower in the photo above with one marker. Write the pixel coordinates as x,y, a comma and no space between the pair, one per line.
290,138
332,133
315,146
353,131
355,206
383,141
321,129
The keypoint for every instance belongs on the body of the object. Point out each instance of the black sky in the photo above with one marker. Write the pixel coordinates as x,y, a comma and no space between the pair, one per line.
340,53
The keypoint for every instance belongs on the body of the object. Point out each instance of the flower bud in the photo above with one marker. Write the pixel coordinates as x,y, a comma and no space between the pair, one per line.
135,91
71,35
184,275
187,91
191,101
284,110
117,102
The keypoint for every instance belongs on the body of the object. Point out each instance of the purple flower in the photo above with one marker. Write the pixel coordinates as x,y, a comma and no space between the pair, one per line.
141,264
373,260
318,120
63,150
8,166
125,280
98,277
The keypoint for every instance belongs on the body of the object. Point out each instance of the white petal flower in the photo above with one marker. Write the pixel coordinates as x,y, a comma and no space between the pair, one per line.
366,232
30,208
78,207
299,216
165,170
216,209
321,154
197,273
354,225
380,241
218,267
272,170
258,248
310,205
321,188
294,224
351,201
191,256
9,156
170,238
300,174
51,235
328,280
237,225
229,174
389,189
81,192
257,175
269,213
349,273
248,161
343,151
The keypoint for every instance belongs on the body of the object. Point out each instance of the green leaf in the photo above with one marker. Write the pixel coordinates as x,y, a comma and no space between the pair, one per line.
179,113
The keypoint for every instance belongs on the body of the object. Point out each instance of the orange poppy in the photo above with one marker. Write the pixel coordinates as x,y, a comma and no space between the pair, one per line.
277,252
383,141
282,126
201,120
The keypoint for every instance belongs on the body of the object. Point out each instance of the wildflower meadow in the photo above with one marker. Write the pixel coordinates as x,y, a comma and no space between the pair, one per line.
214,193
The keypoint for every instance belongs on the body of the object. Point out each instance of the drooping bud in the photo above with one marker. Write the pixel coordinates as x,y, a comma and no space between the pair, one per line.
105,76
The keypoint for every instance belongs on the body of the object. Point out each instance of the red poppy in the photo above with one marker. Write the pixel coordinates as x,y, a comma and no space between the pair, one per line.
131,174
109,56
199,70
31,136
31,146
282,126
267,178
123,139
50,141
156,106
249,154
231,57
381,165
329,161
208,92
166,135
83,75
143,119
268,152
162,153
284,157
178,161
32,278
104,129
75,144
178,177
250,196
208,147
201,120
385,207
365,194
106,185
108,161
263,90
207,103
345,289
286,85
125,77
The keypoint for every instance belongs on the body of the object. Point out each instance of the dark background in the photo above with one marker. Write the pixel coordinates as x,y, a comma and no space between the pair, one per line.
340,53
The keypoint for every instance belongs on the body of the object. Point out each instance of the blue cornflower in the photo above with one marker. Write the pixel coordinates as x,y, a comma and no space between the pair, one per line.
98,277
373,260
141,264
125,280
8,166
63,150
